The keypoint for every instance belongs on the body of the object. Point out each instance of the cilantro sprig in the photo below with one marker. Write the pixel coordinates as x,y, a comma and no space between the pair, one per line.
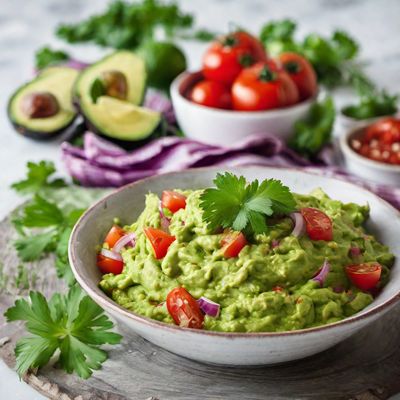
72,324
243,206
38,177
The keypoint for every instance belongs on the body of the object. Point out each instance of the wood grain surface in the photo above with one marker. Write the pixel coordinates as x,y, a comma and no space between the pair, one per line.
364,367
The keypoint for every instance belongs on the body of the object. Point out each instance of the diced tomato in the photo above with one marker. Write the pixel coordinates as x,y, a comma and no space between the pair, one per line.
386,130
318,224
109,265
114,234
232,243
173,201
277,289
364,276
159,240
184,309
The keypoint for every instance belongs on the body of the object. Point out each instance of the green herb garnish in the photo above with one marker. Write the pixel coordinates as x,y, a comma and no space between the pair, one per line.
333,58
45,57
72,324
313,133
240,206
38,177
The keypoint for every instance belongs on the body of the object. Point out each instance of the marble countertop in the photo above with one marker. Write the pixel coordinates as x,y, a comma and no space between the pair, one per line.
26,25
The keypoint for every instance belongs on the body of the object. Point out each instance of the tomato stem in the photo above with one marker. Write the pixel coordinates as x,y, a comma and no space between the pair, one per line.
266,75
246,60
292,67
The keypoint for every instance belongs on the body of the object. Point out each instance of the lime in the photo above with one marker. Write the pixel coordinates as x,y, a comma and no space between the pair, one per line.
164,61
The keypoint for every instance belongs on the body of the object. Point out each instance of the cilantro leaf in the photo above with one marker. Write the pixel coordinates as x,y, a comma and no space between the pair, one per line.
38,178
72,323
45,56
314,132
241,206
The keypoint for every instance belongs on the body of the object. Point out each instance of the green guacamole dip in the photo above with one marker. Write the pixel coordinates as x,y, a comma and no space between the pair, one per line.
243,285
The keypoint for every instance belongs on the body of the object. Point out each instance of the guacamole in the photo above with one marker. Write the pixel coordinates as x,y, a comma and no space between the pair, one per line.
268,286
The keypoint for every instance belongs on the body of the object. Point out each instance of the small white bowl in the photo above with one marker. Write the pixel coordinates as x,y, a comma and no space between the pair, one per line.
222,127
364,167
255,348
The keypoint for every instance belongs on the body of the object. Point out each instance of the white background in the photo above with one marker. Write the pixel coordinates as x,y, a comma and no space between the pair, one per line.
26,25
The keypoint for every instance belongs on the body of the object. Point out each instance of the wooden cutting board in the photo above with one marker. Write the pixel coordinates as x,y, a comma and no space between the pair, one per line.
364,367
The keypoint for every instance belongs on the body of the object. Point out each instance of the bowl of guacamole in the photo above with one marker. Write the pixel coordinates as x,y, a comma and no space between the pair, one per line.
241,267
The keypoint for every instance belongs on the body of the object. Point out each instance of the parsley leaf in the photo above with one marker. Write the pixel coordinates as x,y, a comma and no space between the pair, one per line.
241,206
38,178
72,323
32,247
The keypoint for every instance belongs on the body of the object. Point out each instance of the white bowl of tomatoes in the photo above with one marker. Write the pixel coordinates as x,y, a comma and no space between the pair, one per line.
241,91
373,151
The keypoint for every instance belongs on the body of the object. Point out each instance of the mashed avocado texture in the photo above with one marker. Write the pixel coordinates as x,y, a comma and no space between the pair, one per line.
267,287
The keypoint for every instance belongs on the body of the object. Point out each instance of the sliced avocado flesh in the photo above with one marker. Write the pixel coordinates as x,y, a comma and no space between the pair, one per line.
59,83
126,62
121,120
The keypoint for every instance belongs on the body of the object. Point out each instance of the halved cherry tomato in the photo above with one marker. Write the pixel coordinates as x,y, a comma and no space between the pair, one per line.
226,57
159,240
364,276
232,243
109,265
263,87
212,94
114,234
301,72
318,224
173,201
184,309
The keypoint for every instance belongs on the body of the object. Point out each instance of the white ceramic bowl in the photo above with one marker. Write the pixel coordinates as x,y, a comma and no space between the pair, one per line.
364,167
222,127
219,347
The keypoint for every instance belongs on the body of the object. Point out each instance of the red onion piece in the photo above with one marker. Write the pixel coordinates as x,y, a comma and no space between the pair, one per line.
354,251
209,307
111,254
275,243
338,289
165,221
299,224
322,273
127,240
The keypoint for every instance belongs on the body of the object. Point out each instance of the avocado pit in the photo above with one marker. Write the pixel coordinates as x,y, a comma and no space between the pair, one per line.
40,105
115,84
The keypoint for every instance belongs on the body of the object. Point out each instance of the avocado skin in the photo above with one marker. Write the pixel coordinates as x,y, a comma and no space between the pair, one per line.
33,134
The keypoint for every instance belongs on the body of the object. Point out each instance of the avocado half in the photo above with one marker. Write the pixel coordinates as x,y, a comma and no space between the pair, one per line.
121,120
57,81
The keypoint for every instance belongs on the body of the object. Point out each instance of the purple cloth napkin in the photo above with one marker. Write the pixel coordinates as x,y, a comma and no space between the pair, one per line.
103,164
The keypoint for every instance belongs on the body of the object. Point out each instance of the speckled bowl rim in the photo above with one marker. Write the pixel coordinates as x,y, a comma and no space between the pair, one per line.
107,303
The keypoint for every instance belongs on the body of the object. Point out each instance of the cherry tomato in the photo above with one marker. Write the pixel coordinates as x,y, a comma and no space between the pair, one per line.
159,240
114,234
184,309
109,265
318,224
263,87
364,276
232,243
386,130
173,201
211,94
226,57
301,72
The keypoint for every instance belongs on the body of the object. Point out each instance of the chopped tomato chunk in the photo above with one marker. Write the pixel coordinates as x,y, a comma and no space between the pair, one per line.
114,234
109,265
159,240
173,201
318,224
232,243
184,309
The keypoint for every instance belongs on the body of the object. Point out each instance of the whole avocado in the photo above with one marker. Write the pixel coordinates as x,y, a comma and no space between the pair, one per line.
164,61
